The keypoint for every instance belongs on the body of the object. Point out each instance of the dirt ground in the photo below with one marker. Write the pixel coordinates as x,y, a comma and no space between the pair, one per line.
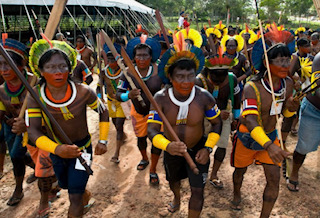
123,191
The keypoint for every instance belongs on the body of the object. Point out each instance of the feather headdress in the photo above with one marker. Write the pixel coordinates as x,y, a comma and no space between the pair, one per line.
220,61
14,46
181,50
223,29
238,38
213,31
193,35
144,39
273,37
40,47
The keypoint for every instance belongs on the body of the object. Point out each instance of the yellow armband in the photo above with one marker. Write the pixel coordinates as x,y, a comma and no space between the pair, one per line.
104,130
46,144
287,113
212,140
159,141
259,135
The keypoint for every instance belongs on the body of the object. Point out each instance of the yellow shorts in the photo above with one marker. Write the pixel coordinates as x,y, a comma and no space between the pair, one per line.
242,157
115,109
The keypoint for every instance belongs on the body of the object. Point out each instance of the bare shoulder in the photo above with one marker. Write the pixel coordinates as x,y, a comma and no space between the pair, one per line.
289,81
248,90
204,96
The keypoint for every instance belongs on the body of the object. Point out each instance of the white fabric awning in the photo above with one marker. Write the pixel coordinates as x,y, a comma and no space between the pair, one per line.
124,4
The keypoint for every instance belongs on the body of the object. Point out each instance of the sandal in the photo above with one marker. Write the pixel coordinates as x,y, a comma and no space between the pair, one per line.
31,178
217,183
235,205
115,160
154,179
87,207
43,213
295,185
173,208
143,164
15,200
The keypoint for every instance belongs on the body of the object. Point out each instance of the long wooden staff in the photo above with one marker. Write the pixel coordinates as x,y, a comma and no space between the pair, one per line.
278,127
99,63
34,78
158,109
110,45
212,45
163,30
65,138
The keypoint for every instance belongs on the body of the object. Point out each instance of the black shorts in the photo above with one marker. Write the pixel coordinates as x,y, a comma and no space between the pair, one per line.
177,168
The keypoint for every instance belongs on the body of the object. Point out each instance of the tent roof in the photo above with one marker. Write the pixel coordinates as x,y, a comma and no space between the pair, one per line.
124,4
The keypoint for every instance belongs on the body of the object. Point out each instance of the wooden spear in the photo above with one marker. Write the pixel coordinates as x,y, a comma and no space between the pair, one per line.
145,89
110,45
163,30
278,127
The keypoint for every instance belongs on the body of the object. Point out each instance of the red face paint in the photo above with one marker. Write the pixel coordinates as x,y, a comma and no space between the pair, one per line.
278,71
305,50
143,64
183,88
57,79
113,65
8,75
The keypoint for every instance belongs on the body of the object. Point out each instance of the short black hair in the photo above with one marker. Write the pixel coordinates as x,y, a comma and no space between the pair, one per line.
80,37
182,64
142,46
315,35
229,41
18,60
47,56
303,42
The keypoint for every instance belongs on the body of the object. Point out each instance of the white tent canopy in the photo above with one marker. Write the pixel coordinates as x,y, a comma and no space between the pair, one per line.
124,4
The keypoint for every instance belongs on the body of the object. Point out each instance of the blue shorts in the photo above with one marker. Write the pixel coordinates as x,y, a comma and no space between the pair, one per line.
309,137
68,177
14,142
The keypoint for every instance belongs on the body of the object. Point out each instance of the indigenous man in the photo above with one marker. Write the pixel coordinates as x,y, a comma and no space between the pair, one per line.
110,76
215,34
223,85
144,51
256,139
85,53
12,95
175,102
232,47
315,45
298,70
53,61
308,133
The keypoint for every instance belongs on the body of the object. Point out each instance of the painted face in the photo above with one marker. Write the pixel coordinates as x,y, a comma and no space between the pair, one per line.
305,49
314,41
112,63
142,58
280,66
218,76
231,46
6,71
79,43
56,71
183,81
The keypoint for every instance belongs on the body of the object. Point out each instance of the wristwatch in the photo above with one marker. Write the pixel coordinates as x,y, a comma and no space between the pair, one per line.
105,142
208,149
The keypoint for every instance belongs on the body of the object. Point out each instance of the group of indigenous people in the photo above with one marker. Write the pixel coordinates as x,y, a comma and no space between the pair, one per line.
207,86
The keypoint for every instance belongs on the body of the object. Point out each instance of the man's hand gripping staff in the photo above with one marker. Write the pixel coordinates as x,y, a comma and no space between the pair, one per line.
176,147
65,138
117,57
